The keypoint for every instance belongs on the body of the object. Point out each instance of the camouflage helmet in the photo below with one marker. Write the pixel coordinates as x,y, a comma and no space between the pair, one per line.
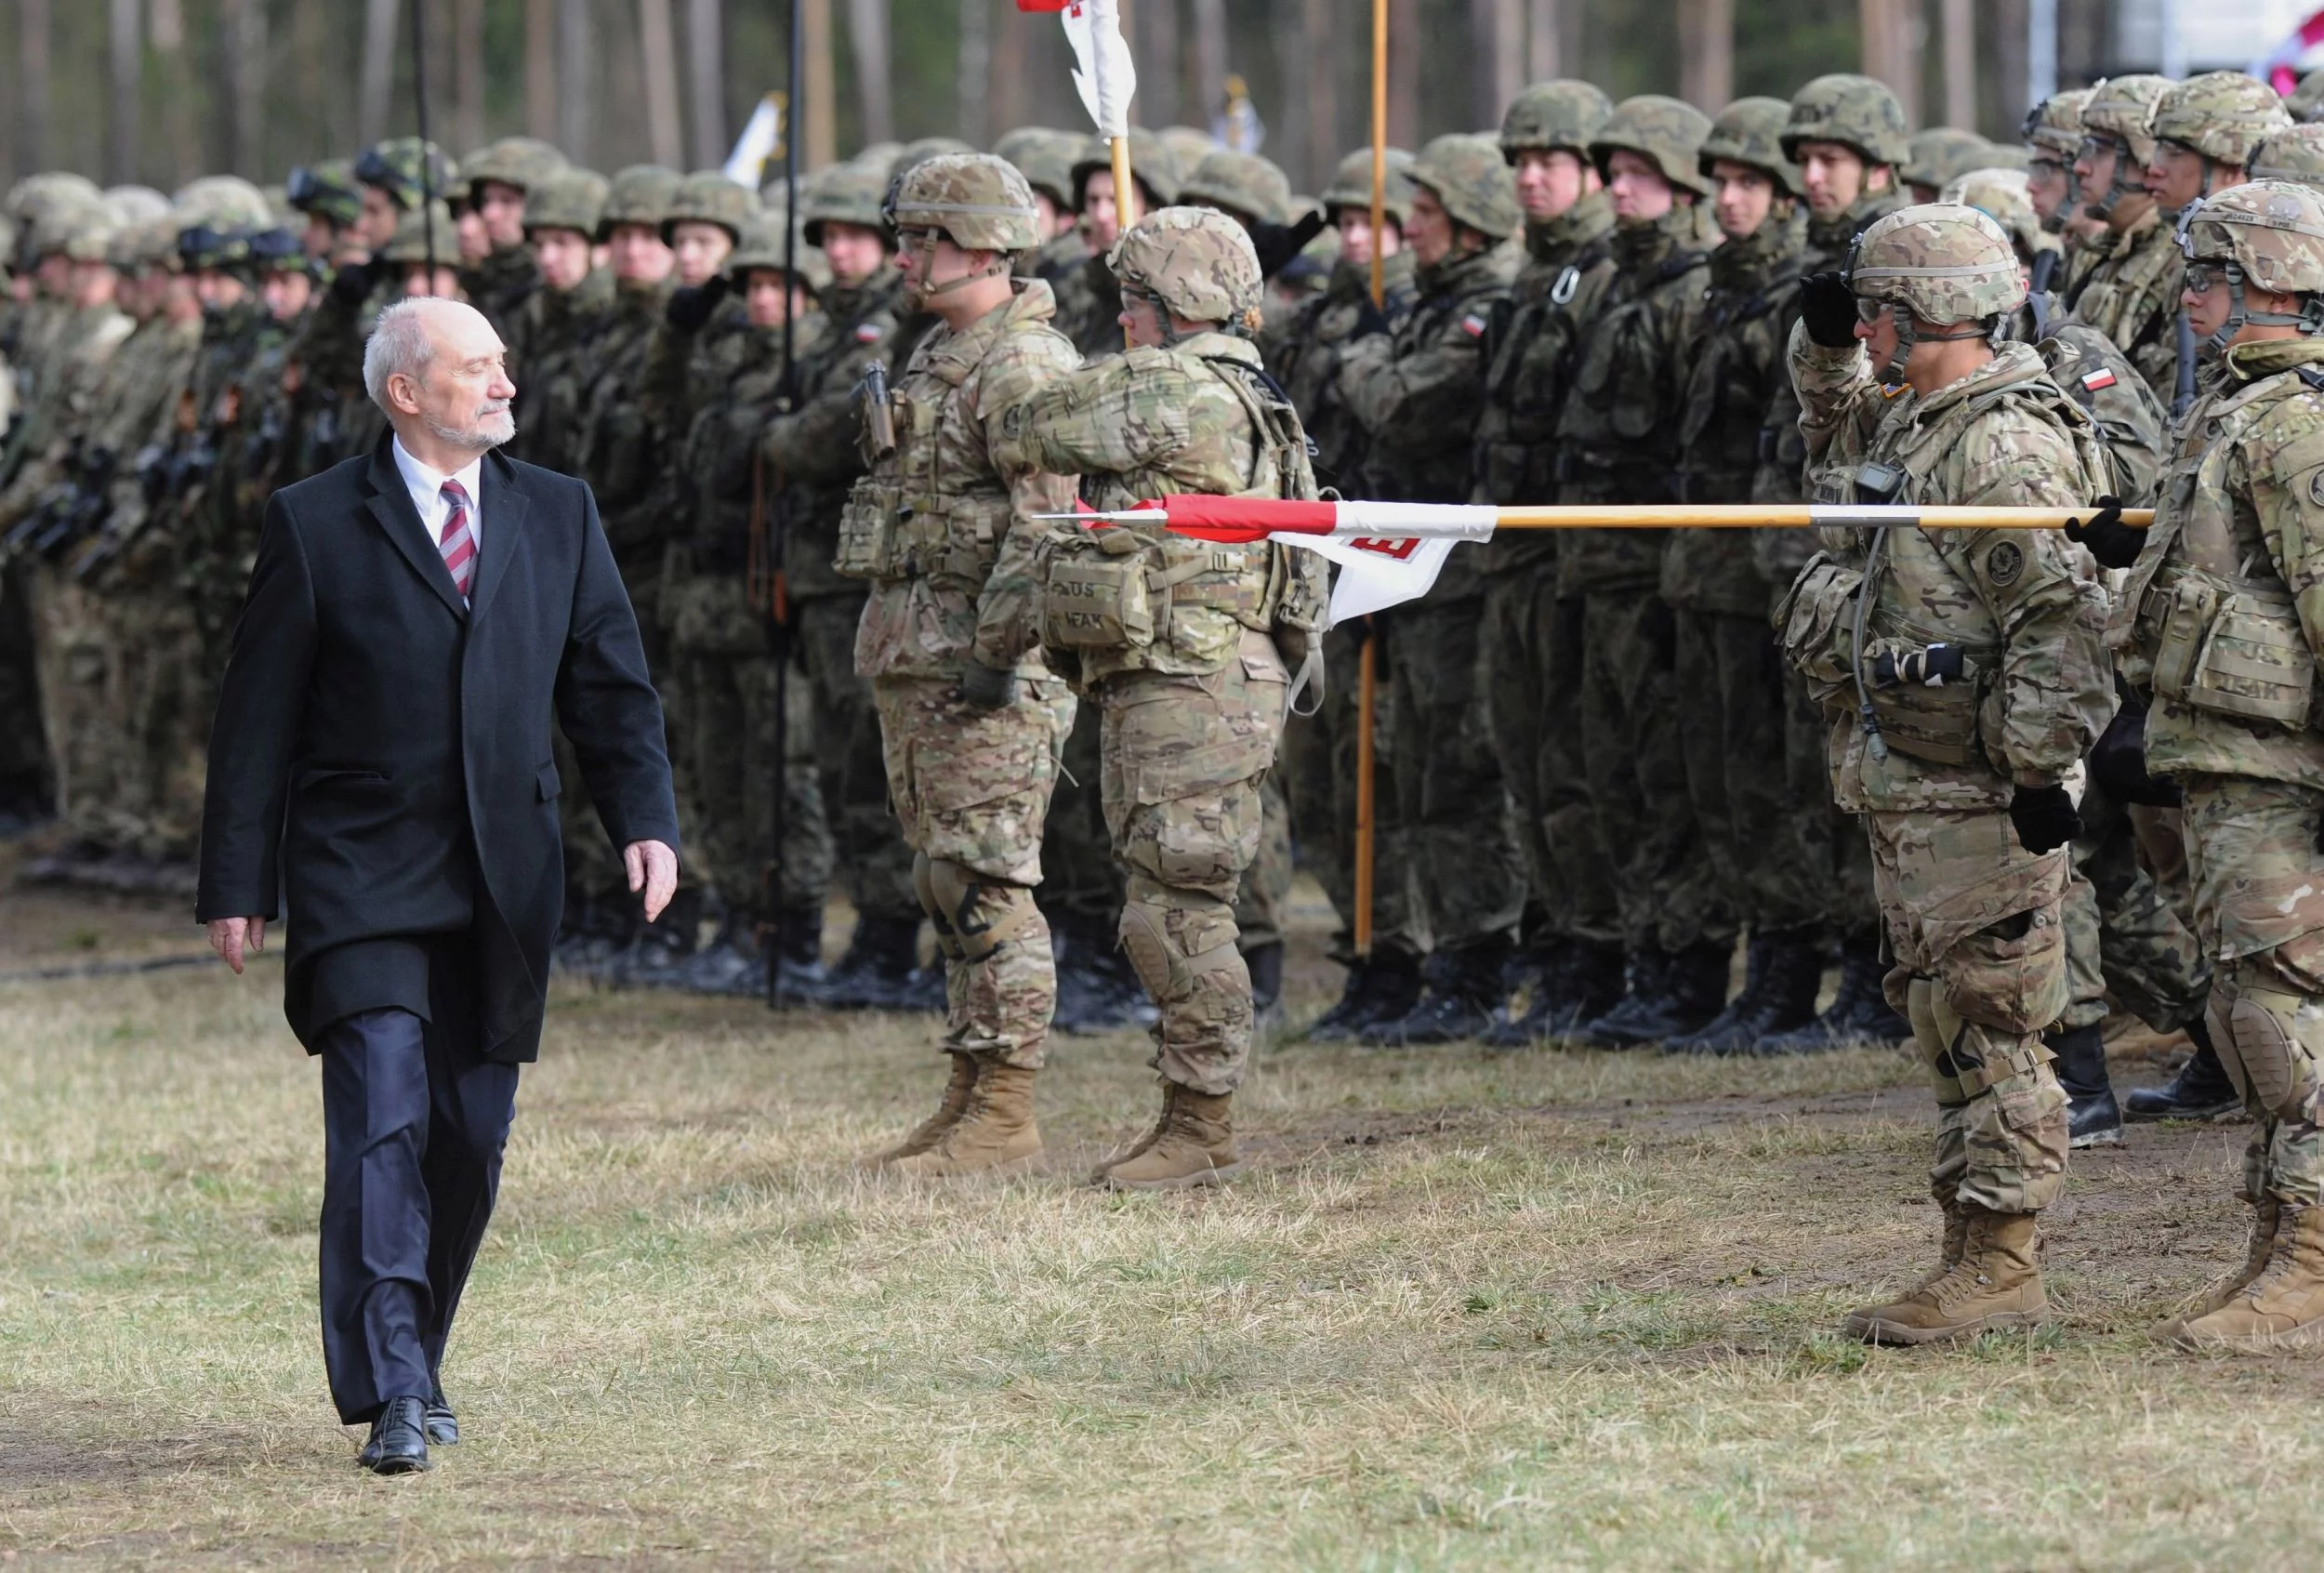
225,201
1197,262
639,194
50,229
2222,114
980,201
1855,112
1999,194
403,167
1352,186
1242,183
135,205
854,192
706,196
2272,230
1750,131
1152,164
278,251
34,194
521,162
2306,101
1666,132
762,250
572,199
2054,127
1468,176
1938,155
1556,116
1942,262
153,243
91,239
328,191
1044,158
2294,153
913,154
411,242
1189,145
2119,107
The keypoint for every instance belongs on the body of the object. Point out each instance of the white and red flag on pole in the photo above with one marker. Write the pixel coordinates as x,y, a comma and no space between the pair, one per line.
1103,69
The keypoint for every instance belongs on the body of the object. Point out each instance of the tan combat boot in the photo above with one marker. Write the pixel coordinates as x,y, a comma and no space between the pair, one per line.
2255,1254
2283,1308
931,1131
996,1135
1193,1144
1956,1241
1994,1284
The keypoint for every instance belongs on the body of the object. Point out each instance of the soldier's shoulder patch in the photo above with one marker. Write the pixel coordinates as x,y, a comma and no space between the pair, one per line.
1473,326
869,333
2102,377
2004,563
2315,487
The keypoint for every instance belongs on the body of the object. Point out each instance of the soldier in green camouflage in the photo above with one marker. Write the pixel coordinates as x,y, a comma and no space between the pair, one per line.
971,719
1193,699
2218,618
1571,964
1416,391
812,462
1965,675
1301,350
498,179
1044,158
551,338
329,199
1618,432
1937,155
1088,299
1846,134
1731,692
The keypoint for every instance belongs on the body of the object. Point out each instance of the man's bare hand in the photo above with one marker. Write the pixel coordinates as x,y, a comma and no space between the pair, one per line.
230,936
653,869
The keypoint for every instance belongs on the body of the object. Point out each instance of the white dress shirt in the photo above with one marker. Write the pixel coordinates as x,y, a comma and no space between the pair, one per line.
426,488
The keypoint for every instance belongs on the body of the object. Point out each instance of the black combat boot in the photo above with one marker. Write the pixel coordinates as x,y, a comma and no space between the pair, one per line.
1859,1013
660,951
1642,982
795,939
1335,1025
594,933
2200,1090
1692,987
1383,988
729,964
1779,996
876,973
2093,1117
1097,989
1462,1002
1534,972
1265,962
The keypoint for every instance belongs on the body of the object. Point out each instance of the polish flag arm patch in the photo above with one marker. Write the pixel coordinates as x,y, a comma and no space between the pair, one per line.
1473,326
2102,377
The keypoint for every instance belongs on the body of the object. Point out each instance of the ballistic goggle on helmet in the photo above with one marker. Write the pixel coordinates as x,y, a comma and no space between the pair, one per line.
2265,232
1939,264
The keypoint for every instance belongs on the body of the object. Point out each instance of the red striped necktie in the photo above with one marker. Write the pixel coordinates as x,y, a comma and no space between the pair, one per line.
458,545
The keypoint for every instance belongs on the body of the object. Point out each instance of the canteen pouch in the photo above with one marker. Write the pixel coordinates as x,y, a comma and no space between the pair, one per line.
1813,625
1095,595
2238,652
2189,607
866,548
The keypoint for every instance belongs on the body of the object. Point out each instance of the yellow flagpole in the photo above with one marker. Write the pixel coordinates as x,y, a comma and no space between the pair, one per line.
1368,679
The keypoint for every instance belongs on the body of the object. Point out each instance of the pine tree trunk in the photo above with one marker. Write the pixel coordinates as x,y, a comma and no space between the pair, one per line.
1545,39
1209,62
657,60
540,69
975,72
820,125
867,31
1707,53
467,38
1404,72
1960,24
378,71
705,81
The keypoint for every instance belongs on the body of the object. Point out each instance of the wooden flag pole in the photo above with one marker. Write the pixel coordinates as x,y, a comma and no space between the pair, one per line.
1368,679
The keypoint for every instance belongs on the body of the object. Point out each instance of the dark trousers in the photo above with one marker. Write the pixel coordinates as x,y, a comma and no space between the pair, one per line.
414,1126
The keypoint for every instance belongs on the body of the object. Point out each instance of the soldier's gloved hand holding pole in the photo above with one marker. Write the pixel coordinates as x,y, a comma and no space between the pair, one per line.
2043,817
988,688
2113,542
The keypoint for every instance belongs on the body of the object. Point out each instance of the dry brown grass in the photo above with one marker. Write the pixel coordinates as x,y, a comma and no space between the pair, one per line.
1539,1311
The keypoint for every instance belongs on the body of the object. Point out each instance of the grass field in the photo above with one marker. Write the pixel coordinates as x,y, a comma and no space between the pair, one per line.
1469,1311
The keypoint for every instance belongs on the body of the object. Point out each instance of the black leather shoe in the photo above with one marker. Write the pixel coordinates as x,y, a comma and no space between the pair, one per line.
399,1439
444,1426
2200,1090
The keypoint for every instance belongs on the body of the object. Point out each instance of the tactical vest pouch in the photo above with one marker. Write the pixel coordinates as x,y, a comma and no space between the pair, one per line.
1813,624
867,545
1095,595
2235,651
1936,724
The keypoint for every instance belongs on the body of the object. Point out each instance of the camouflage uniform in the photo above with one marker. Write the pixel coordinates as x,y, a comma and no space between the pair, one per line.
2220,612
1303,351
1418,394
1937,155
943,527
2129,290
1972,918
1618,433
551,337
1533,651
505,280
1088,297
1731,688
1193,702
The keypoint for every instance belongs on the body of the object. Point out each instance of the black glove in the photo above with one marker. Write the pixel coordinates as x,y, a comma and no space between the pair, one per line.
2044,817
1828,308
2118,764
987,688
690,307
2113,542
1937,664
1277,243
1369,319
353,284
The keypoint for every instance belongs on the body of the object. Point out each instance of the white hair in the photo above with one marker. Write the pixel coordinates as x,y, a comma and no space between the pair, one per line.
401,342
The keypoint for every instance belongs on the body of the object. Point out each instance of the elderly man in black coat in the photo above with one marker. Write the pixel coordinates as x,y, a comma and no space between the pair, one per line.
415,620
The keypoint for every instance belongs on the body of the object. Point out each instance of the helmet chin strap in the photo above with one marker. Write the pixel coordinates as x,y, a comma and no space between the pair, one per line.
2116,189
2309,319
926,249
1910,332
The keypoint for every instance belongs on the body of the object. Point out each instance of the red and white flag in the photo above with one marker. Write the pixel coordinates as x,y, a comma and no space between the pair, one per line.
1102,70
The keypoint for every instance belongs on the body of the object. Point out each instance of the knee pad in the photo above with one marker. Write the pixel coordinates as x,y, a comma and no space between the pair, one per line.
924,887
1973,1057
983,913
1176,951
2270,1046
